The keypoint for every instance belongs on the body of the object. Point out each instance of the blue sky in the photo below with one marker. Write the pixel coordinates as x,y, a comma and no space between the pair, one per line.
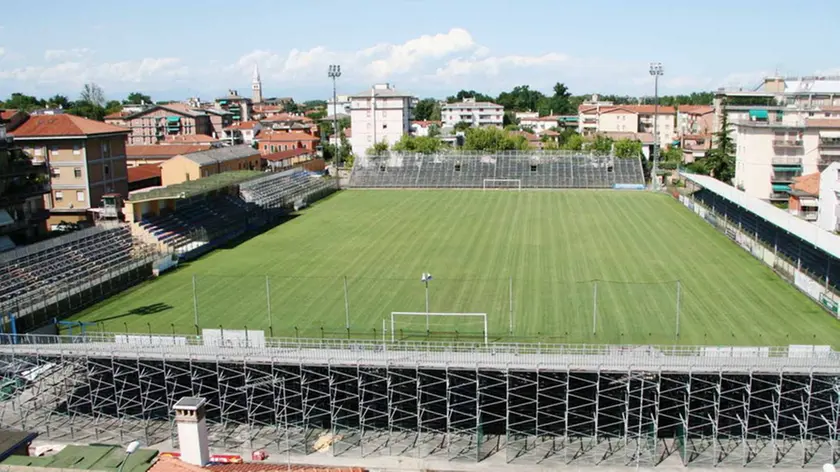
173,50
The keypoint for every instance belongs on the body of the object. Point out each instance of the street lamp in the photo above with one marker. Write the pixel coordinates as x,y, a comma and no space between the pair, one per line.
426,278
656,71
129,450
334,72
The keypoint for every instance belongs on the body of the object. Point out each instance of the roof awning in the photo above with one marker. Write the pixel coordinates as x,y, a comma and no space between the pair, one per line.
781,188
830,134
173,118
759,114
787,168
808,201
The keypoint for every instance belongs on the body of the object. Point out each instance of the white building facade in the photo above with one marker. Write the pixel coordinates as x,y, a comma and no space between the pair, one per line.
828,217
341,106
770,154
380,114
472,112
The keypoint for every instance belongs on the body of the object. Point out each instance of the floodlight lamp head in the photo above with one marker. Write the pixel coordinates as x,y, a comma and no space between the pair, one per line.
656,68
425,277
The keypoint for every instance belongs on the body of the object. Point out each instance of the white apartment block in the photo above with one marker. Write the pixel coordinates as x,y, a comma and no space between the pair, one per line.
540,124
593,119
828,217
769,154
381,114
472,112
341,106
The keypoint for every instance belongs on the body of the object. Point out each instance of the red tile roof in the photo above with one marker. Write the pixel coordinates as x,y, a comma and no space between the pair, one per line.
287,136
64,125
169,150
644,138
190,138
808,183
117,115
639,109
281,155
426,123
823,122
243,125
696,109
7,115
136,174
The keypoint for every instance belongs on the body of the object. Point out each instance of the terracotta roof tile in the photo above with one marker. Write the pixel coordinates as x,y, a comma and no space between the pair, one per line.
64,125
287,117
808,183
7,115
190,138
263,467
243,125
425,123
696,109
138,173
116,115
169,150
281,155
287,136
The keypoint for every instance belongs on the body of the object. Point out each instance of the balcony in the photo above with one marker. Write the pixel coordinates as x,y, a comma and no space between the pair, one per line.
787,161
779,196
784,177
826,161
787,143
829,143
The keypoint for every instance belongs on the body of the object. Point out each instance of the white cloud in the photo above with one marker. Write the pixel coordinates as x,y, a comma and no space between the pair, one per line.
66,54
75,73
494,65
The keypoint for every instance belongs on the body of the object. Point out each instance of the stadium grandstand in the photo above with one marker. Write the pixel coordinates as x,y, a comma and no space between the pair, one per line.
802,252
61,275
514,169
285,189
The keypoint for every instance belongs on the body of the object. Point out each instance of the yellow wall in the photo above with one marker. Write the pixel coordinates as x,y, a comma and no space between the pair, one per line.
179,169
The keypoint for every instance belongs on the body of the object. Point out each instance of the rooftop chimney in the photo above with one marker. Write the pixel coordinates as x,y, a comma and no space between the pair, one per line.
192,430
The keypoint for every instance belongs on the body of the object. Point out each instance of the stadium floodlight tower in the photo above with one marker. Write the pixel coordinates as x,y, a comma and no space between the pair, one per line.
426,278
334,72
656,71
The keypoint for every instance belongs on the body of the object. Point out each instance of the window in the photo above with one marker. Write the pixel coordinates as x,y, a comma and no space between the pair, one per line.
457,167
53,149
107,171
80,196
77,172
533,167
77,149
385,126
106,150
38,151
56,172
59,196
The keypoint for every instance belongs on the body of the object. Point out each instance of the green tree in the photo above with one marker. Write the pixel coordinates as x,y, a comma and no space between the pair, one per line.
421,144
427,109
113,106
462,126
720,161
377,149
317,115
462,94
672,154
19,101
93,94
573,143
314,104
601,144
291,107
58,101
521,98
137,98
87,110
628,149
493,139
434,130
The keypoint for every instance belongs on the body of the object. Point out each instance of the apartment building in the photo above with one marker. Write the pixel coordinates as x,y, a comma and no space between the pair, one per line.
771,153
86,158
828,217
163,122
540,124
804,196
380,114
341,106
472,112
289,122
274,141
23,185
593,119
197,165
245,132
695,119
219,120
155,154
240,107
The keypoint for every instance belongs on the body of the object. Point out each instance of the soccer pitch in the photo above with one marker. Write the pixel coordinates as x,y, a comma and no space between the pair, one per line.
550,261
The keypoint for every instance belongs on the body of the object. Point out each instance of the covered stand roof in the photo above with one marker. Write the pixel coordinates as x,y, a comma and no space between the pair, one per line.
808,232
195,187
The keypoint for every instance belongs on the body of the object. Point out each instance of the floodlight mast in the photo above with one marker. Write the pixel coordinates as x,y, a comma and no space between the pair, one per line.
656,71
334,72
426,278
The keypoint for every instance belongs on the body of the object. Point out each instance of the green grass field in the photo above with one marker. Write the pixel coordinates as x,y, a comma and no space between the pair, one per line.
554,245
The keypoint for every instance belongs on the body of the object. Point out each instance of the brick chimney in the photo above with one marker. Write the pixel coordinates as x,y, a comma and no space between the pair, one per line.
192,430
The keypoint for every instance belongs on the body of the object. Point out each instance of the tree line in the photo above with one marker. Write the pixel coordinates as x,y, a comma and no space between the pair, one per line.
91,103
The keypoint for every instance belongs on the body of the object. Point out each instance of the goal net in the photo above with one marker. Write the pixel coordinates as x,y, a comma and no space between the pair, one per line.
502,184
408,325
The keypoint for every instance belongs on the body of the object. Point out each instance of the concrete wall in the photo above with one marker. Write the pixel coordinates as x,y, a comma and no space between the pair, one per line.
829,201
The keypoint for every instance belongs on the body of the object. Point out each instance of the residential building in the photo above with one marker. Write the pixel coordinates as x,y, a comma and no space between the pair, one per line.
771,152
380,114
145,176
534,141
23,185
804,196
162,122
118,118
828,217
256,87
525,115
263,110
421,128
347,132
472,112
219,120
695,119
341,106
540,124
244,132
273,141
197,165
12,119
193,139
283,160
628,118
86,158
695,146
156,154
239,106
289,122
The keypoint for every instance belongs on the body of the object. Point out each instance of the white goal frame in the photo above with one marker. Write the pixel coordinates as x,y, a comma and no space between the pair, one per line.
395,314
518,181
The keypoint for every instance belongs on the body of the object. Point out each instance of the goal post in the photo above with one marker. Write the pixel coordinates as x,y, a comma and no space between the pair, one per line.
502,184
431,319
